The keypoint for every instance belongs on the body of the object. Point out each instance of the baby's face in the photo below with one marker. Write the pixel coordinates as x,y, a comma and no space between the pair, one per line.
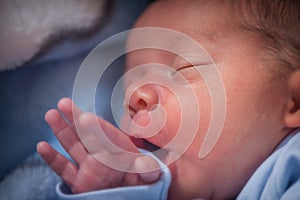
159,95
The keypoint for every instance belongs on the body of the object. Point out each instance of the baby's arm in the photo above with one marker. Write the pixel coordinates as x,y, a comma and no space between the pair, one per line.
88,173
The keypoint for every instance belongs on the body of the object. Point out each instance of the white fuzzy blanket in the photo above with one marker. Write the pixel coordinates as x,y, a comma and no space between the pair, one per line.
28,25
33,180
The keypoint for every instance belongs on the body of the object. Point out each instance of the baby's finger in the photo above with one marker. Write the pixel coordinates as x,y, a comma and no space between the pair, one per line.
89,122
148,169
69,109
106,143
66,135
60,165
112,138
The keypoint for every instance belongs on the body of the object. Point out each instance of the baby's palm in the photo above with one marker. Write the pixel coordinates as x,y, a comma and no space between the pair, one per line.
89,173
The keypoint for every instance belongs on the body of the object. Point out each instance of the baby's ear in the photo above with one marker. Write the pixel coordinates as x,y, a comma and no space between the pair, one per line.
292,113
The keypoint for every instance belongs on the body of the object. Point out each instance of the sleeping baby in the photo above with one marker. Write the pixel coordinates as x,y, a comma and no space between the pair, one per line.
171,97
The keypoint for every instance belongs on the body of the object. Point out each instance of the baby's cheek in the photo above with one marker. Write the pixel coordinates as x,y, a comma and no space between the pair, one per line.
172,124
174,120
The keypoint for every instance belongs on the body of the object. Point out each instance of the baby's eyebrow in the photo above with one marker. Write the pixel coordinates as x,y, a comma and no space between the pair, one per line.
210,36
190,47
208,33
204,36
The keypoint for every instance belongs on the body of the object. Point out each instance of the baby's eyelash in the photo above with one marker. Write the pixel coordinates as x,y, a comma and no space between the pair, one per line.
187,74
182,68
185,67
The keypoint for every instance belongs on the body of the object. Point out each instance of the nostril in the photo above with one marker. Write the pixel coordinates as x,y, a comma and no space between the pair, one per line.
132,111
141,98
142,104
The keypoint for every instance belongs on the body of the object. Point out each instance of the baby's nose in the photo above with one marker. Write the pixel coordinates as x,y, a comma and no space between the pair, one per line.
142,98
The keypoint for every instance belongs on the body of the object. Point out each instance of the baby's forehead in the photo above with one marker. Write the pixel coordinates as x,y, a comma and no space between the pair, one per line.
213,26
210,19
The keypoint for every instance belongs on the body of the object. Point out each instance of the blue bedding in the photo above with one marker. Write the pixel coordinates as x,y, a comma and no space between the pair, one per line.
29,91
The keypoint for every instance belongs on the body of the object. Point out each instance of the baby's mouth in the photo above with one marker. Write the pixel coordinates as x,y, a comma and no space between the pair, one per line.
156,150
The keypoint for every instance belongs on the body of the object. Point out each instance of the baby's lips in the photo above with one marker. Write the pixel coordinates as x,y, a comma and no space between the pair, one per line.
138,142
144,123
142,118
141,121
147,124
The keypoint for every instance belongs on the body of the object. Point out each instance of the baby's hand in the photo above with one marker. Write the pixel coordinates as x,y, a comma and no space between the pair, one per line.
89,173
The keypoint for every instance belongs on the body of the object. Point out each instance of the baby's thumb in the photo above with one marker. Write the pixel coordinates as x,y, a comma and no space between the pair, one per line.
147,168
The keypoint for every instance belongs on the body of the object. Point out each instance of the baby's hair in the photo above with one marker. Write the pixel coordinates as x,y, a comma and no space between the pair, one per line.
277,24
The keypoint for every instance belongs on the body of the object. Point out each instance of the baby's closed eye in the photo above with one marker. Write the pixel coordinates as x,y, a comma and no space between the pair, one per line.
186,74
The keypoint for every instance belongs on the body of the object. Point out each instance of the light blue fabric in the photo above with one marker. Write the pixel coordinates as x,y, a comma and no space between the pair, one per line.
279,176
155,191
